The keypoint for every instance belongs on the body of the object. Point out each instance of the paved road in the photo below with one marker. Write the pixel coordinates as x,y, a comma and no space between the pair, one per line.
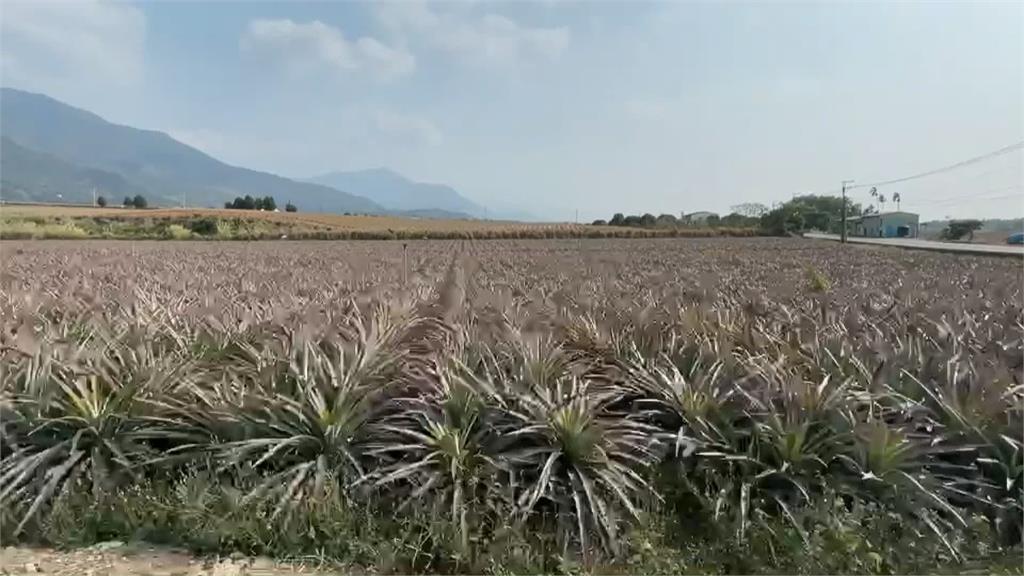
992,249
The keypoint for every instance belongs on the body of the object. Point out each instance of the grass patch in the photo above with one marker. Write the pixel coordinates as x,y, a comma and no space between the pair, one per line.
25,229
204,515
178,232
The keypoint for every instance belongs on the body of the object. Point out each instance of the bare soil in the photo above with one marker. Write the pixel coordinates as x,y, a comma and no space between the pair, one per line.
118,559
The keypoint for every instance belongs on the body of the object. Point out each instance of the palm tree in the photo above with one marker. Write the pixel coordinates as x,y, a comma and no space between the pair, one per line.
896,198
881,201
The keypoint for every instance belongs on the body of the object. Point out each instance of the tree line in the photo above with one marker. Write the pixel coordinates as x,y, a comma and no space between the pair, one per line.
809,212
825,214
801,213
249,203
239,203
738,218
138,201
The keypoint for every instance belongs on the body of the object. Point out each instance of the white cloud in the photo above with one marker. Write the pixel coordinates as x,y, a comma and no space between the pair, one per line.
52,46
486,40
312,46
358,135
408,128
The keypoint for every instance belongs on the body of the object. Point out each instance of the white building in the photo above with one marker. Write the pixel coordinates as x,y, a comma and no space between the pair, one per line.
884,225
698,217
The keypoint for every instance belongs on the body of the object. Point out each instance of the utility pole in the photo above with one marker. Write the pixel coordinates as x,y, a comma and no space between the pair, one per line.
94,196
843,233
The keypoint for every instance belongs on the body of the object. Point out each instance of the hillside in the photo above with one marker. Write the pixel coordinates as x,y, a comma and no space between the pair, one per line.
164,168
27,175
396,192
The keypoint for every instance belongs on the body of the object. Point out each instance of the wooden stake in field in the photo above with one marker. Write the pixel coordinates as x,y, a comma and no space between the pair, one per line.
405,264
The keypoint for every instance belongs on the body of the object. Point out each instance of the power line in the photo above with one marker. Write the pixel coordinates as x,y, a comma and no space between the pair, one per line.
1001,151
957,199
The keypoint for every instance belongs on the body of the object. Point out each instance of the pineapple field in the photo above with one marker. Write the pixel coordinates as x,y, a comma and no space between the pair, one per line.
657,405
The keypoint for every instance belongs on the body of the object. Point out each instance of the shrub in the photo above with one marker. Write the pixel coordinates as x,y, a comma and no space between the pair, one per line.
957,229
28,228
203,226
178,232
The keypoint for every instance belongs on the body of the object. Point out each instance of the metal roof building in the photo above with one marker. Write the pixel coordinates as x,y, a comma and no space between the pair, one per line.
884,225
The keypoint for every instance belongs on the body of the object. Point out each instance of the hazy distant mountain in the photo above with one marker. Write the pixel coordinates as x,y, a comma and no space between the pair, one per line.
27,175
164,168
432,214
396,192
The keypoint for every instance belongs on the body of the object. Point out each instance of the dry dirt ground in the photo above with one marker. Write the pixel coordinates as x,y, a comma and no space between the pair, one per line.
117,559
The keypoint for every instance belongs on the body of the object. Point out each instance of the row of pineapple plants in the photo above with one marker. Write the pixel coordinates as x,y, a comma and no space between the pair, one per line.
739,414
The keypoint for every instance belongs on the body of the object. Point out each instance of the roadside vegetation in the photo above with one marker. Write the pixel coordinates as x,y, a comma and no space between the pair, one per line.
735,220
800,214
765,406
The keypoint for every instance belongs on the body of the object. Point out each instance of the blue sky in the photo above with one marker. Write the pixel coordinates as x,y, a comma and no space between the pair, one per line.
555,106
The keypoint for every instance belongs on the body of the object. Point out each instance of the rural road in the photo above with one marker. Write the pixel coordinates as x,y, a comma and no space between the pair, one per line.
992,249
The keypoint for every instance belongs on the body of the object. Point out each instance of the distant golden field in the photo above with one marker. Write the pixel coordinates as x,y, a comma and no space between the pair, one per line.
297,219
75,221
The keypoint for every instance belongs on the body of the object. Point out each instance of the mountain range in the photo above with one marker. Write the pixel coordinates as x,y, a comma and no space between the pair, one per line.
27,175
396,192
53,152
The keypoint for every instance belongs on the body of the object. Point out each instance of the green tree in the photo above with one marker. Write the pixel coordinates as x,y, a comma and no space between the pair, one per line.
128,202
248,203
795,221
101,202
957,229
648,220
823,212
667,221
786,219
750,209
289,207
618,220
203,226
598,222
818,221
139,201
268,204
736,220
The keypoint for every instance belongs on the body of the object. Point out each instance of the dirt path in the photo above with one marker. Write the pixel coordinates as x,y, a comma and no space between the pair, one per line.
117,559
